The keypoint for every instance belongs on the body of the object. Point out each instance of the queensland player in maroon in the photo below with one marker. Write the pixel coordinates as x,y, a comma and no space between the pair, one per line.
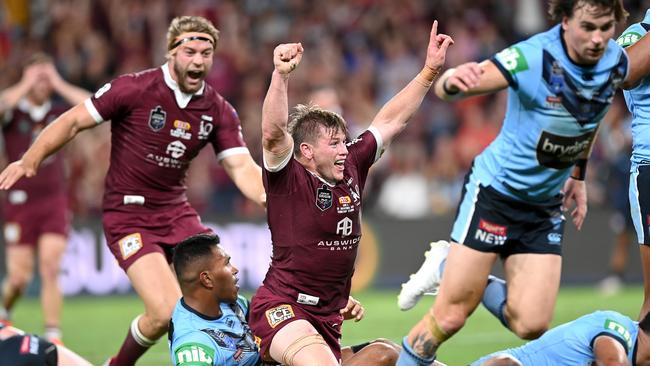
35,211
314,179
161,119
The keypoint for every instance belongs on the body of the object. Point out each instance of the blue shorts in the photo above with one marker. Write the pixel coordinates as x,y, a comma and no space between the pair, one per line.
639,194
490,221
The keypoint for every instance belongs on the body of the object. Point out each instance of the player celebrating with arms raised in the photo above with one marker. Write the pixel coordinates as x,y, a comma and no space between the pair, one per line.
314,179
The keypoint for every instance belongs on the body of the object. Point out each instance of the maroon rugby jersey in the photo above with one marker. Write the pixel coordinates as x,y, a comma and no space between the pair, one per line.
156,131
20,128
316,228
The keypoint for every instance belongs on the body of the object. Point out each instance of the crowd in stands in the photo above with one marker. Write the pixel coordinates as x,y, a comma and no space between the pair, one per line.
357,53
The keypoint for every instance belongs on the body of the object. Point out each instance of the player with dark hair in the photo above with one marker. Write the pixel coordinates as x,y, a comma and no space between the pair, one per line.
36,212
560,85
314,178
599,338
161,119
18,348
209,326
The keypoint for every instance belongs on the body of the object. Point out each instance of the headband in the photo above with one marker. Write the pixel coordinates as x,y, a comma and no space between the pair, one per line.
191,38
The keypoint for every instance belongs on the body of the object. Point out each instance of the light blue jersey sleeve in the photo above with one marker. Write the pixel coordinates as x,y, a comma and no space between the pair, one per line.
638,98
572,343
521,65
195,349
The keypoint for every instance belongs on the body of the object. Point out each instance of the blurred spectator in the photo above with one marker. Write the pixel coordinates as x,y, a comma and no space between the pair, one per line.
363,46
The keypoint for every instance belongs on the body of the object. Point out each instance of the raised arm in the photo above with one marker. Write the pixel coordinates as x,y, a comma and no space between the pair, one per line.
276,141
470,79
51,139
72,94
394,115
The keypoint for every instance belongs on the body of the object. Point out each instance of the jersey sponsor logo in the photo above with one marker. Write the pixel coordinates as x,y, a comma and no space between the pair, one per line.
354,191
513,60
130,244
354,141
12,232
176,149
561,152
323,198
619,329
180,130
344,227
165,161
206,127
157,118
29,344
628,38
106,87
346,244
345,205
490,233
194,354
279,314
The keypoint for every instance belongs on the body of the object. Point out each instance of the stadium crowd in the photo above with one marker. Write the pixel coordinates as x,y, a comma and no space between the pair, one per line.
369,48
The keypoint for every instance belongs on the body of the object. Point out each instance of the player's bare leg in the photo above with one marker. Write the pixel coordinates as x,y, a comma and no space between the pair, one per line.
50,252
380,352
154,281
460,293
533,282
296,345
645,263
20,267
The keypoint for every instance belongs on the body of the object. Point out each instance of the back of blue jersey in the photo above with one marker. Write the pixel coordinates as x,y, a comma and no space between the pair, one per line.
571,343
197,340
638,98
554,107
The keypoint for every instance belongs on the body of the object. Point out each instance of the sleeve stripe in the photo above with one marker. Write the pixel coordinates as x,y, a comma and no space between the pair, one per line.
93,111
505,73
232,151
380,142
279,166
646,26
607,334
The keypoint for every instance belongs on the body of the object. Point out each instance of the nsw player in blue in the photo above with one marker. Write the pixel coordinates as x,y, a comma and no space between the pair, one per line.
599,338
638,101
560,85
209,326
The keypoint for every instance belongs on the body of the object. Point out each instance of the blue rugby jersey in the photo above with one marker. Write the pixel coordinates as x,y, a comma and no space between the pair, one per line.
571,343
638,98
554,107
198,340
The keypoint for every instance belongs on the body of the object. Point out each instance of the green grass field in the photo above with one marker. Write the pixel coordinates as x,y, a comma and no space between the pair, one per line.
95,326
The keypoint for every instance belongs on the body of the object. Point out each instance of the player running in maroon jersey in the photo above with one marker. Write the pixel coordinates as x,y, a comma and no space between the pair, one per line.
161,119
314,179
36,215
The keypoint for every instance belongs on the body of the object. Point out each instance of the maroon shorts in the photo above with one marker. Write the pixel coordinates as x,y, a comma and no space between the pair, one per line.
269,313
143,230
26,222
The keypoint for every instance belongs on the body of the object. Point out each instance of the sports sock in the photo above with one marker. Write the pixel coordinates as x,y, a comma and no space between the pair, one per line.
494,298
135,345
408,357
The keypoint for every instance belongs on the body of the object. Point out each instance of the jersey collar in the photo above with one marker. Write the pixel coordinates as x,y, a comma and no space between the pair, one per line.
182,99
36,112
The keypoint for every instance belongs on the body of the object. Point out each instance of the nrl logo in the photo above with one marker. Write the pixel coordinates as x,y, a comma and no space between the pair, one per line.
157,119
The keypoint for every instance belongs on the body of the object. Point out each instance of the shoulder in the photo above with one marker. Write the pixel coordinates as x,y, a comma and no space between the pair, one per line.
631,35
131,84
524,55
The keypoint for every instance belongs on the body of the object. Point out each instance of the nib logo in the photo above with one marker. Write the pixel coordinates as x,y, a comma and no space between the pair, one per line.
194,354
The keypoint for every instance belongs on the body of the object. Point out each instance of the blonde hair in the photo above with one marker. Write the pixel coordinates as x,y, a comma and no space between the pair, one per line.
305,120
187,24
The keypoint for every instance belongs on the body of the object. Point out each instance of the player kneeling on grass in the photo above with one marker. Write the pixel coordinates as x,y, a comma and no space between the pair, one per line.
18,348
209,325
599,338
